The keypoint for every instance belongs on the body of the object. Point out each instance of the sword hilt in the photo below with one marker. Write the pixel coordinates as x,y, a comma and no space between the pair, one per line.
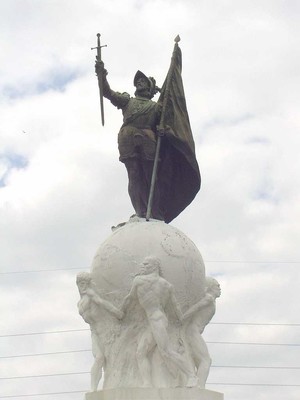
98,47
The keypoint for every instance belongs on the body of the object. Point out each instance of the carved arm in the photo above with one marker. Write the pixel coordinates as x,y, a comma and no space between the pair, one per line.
176,305
106,304
127,299
207,299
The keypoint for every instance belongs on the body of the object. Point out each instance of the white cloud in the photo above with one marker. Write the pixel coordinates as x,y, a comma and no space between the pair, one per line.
240,70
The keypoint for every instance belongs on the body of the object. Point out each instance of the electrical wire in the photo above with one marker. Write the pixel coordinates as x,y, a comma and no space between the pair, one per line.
251,367
44,333
42,394
43,376
257,344
207,261
252,323
251,384
41,270
253,262
209,342
86,329
88,372
45,354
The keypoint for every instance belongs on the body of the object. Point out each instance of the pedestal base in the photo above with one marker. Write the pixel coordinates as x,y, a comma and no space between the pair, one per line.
154,394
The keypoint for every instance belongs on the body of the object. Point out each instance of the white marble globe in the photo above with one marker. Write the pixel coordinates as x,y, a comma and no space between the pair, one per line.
118,259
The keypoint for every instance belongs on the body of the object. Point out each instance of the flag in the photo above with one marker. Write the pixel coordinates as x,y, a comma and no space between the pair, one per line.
179,176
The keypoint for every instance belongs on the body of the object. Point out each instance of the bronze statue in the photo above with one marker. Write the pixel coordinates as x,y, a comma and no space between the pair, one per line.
155,142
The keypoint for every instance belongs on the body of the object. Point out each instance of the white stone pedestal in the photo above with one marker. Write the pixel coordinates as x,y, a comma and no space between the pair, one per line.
154,394
147,301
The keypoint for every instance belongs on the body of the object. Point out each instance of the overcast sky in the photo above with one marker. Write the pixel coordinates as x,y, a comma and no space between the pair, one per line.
62,187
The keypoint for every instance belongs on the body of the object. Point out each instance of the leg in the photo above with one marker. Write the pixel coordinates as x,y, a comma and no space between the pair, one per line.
205,361
96,371
145,345
174,360
135,185
200,354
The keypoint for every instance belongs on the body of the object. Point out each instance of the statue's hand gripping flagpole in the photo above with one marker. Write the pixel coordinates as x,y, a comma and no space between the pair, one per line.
100,75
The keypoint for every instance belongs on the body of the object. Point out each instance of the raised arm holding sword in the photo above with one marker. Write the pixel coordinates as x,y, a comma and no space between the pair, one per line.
155,141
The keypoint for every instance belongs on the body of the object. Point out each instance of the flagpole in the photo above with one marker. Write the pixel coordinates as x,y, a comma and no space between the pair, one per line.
160,131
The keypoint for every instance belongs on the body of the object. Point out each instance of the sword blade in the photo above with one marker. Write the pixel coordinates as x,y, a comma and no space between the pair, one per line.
101,99
100,77
102,109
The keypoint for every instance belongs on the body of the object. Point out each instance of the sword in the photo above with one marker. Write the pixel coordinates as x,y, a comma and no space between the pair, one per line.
100,76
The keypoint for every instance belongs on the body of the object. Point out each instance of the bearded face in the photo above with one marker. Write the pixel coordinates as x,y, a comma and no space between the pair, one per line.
149,265
142,87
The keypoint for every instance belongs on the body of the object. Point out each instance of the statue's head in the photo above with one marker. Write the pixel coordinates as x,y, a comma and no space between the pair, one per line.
83,280
145,86
213,287
149,265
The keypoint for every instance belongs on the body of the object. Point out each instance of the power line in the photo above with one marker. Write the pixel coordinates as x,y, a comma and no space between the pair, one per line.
46,354
253,262
88,372
42,394
41,270
207,261
209,342
257,344
251,367
86,329
251,323
44,376
43,333
250,384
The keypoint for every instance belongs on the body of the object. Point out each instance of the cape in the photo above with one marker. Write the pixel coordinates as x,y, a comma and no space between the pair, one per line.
180,178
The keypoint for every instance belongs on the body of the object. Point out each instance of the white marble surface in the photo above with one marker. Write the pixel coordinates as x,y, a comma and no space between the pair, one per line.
147,301
155,394
118,259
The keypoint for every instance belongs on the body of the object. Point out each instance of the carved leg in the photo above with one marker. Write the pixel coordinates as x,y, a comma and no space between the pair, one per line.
202,357
145,345
96,371
174,360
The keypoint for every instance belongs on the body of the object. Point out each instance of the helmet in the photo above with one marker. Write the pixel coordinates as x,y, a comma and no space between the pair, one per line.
153,89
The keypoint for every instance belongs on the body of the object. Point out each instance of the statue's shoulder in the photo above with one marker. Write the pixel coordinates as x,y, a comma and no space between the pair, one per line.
166,283
120,100
138,279
125,95
142,100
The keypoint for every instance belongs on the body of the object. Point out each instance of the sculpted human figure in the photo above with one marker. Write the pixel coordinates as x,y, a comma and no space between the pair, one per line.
152,292
89,305
155,134
196,318
137,138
